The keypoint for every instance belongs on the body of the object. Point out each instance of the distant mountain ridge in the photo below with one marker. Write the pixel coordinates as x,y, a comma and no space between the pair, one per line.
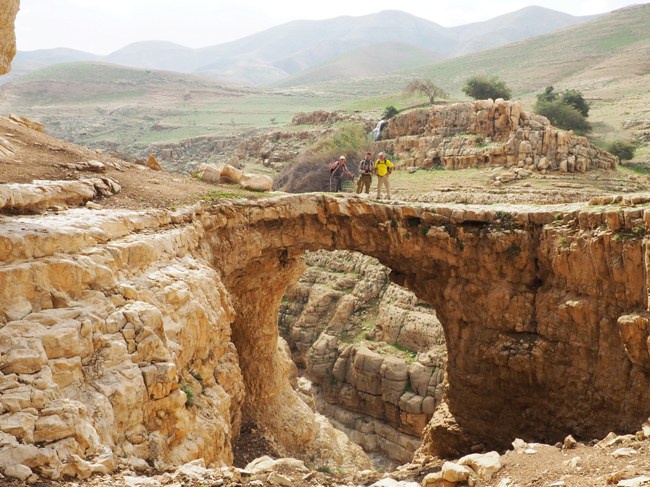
279,52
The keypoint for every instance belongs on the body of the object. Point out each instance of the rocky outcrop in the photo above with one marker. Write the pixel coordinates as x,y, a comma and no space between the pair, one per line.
488,133
374,352
116,327
34,198
529,298
115,342
8,11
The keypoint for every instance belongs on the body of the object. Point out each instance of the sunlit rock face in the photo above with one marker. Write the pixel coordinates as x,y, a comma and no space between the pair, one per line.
489,133
529,299
8,11
373,354
150,335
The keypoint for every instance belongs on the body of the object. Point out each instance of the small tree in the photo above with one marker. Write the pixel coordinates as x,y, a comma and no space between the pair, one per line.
548,95
482,88
576,100
563,116
622,149
427,88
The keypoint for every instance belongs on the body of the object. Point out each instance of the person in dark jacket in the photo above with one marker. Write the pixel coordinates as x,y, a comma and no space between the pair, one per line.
339,169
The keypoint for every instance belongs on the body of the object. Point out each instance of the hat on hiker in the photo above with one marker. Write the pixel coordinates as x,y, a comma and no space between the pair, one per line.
342,158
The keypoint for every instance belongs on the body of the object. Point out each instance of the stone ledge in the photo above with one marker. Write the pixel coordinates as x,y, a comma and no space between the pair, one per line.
40,195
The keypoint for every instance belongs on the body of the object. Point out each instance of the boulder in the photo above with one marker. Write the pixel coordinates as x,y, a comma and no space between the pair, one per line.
453,472
230,174
484,465
152,163
256,182
209,173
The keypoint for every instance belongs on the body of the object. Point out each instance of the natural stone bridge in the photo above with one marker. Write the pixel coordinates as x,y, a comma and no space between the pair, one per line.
534,303
109,315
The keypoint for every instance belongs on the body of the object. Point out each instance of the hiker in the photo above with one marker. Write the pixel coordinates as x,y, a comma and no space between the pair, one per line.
383,169
366,167
339,169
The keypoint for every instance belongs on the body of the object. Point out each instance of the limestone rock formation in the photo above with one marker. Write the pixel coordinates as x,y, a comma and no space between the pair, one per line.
488,133
374,352
39,127
115,341
152,334
34,198
8,11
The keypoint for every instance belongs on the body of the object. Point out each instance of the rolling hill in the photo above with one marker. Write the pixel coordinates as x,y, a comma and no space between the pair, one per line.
279,52
112,106
375,60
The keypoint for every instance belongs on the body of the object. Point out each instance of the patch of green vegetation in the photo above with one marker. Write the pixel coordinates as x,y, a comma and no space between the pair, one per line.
513,250
424,230
197,376
630,234
408,387
503,221
638,168
215,195
563,243
406,353
325,469
189,394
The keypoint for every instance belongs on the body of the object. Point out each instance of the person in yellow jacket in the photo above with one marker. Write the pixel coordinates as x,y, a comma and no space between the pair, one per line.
383,169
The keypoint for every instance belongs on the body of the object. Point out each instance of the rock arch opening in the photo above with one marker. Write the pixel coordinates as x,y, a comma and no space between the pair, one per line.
370,354
527,320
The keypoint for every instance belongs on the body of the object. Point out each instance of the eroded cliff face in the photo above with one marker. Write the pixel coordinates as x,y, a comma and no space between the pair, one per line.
8,11
486,133
152,334
374,353
529,298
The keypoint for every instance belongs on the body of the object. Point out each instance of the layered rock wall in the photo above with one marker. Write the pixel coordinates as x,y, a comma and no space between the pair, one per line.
529,299
487,133
375,354
116,342
116,327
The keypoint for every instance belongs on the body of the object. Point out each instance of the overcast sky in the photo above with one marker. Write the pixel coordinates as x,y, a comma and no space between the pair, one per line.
102,26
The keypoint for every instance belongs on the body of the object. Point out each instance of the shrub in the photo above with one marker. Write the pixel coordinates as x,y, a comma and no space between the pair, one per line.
575,99
622,149
310,170
549,95
563,116
482,88
189,394
389,112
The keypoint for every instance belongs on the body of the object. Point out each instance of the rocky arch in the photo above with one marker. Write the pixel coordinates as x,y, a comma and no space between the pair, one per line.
543,309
